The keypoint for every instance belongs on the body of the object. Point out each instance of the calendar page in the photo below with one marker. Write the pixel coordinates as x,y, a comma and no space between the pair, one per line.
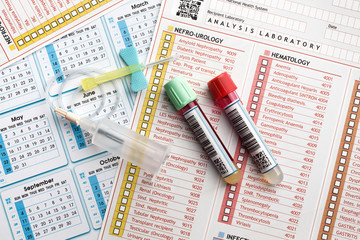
29,25
297,68
54,182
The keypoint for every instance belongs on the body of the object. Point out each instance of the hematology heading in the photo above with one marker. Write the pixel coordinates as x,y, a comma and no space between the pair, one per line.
290,59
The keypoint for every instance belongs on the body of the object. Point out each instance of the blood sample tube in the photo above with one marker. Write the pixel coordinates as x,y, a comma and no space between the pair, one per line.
223,90
184,99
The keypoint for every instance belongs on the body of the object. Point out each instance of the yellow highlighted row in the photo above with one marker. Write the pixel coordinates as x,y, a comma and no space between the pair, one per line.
57,22
148,111
124,200
155,85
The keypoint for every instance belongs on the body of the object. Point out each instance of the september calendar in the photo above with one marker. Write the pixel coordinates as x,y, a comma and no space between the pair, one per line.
50,206
54,183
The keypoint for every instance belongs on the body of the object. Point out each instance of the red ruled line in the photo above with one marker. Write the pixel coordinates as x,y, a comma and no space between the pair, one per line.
163,214
270,193
316,70
267,217
162,190
137,200
155,229
193,190
239,210
262,224
163,174
262,232
161,223
137,233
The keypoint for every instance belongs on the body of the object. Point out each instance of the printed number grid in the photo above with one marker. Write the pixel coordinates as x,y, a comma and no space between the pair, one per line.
46,207
78,139
50,210
96,187
342,165
18,81
22,147
135,31
82,48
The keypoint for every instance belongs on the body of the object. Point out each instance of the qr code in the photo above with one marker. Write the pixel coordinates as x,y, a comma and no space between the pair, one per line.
261,160
189,8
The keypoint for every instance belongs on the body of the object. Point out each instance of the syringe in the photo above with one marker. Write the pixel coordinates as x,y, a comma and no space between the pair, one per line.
117,139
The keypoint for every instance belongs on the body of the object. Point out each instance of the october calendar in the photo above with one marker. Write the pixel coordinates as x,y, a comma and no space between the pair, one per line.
54,183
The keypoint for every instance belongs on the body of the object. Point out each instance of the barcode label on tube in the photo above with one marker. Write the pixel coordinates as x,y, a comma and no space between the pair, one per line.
241,127
250,137
209,142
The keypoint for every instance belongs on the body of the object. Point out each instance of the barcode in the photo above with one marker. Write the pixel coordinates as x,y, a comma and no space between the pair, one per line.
261,160
247,138
259,156
189,8
206,144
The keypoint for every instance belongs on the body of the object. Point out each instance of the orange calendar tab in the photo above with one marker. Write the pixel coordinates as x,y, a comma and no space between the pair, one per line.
25,26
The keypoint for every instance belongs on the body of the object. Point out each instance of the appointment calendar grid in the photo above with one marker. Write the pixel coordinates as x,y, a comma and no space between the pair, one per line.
28,25
54,182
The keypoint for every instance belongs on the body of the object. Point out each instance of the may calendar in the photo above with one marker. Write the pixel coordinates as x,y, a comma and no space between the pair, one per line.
54,183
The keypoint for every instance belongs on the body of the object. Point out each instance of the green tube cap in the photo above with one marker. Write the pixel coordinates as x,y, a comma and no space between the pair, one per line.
179,92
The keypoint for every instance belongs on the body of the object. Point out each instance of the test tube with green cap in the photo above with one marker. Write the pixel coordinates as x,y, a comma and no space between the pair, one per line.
184,100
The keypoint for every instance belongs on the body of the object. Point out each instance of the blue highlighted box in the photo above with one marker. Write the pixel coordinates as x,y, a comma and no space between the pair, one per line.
55,64
79,136
99,198
24,220
125,33
4,157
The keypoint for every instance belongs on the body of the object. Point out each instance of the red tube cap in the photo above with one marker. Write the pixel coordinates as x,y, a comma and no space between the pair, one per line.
221,86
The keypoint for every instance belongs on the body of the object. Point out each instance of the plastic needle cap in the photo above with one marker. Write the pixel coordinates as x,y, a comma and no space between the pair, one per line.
89,83
130,57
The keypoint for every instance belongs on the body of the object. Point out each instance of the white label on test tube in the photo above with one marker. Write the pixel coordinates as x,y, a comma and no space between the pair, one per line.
246,129
209,142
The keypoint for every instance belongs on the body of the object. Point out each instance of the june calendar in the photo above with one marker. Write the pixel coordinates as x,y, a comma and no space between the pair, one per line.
54,183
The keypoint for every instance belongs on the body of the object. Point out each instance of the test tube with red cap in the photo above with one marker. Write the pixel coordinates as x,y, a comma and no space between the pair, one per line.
223,89
184,100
